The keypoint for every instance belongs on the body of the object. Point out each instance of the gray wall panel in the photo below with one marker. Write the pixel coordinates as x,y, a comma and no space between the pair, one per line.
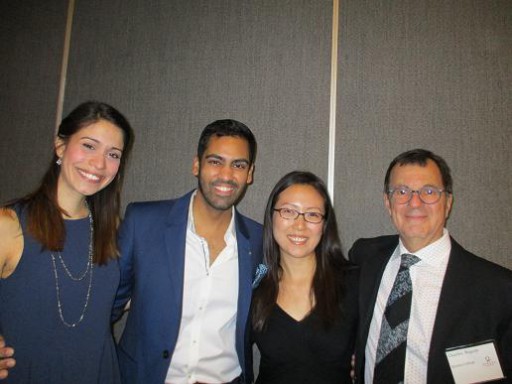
32,35
174,66
430,74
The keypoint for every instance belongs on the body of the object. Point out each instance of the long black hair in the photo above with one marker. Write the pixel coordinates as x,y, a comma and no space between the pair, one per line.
329,257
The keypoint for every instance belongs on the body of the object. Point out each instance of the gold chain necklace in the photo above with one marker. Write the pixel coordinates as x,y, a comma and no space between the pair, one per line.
88,270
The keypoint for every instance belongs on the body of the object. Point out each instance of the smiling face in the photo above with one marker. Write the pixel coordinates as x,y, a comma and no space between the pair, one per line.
298,238
90,159
223,172
417,223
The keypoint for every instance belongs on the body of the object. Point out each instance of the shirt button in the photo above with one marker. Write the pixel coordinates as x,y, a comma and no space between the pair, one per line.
165,354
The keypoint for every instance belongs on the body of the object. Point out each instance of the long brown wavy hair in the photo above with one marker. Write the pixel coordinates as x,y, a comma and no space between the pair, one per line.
45,222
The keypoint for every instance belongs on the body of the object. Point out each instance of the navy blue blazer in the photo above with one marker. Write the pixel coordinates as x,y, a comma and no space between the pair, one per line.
475,305
152,245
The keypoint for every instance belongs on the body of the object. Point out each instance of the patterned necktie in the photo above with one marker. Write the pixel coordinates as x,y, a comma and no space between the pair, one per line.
390,359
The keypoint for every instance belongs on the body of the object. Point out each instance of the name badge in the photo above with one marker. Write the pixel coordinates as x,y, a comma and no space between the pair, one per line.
474,363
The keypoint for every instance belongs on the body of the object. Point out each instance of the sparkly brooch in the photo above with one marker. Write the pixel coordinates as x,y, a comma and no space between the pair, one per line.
261,271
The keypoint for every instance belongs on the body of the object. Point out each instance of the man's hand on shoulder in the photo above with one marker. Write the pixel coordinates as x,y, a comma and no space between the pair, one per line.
6,359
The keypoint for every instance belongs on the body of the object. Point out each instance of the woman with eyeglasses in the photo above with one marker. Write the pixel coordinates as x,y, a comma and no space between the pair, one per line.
304,310
58,257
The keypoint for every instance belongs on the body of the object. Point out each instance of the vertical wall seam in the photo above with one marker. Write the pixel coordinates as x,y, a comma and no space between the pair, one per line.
333,95
64,64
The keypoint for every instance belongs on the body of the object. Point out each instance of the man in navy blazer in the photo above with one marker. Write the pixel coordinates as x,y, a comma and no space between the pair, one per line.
458,299
188,266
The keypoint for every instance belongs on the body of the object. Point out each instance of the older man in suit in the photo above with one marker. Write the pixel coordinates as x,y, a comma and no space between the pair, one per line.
188,265
423,297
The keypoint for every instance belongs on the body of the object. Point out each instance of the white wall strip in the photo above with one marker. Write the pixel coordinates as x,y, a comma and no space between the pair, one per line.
64,66
332,107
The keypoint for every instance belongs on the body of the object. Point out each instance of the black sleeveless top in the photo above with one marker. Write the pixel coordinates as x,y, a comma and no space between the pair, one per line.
303,351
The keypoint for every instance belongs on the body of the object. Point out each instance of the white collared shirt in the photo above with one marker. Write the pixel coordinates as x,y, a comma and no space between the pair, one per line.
205,350
427,280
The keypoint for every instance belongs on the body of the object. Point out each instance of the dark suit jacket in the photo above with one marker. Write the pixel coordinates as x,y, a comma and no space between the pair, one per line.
152,243
475,305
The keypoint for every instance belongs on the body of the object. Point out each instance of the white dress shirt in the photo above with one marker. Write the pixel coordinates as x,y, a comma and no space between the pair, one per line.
205,350
427,279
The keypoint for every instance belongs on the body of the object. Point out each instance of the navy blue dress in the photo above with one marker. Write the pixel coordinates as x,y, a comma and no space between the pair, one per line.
46,350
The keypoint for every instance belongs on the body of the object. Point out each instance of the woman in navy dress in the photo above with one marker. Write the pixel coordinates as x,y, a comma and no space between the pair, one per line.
304,311
58,257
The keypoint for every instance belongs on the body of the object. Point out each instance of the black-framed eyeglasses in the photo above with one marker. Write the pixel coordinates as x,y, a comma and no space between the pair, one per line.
427,194
293,214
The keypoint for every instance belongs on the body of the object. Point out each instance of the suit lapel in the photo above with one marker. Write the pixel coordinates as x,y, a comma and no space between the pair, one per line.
245,268
370,281
451,302
372,260
175,243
